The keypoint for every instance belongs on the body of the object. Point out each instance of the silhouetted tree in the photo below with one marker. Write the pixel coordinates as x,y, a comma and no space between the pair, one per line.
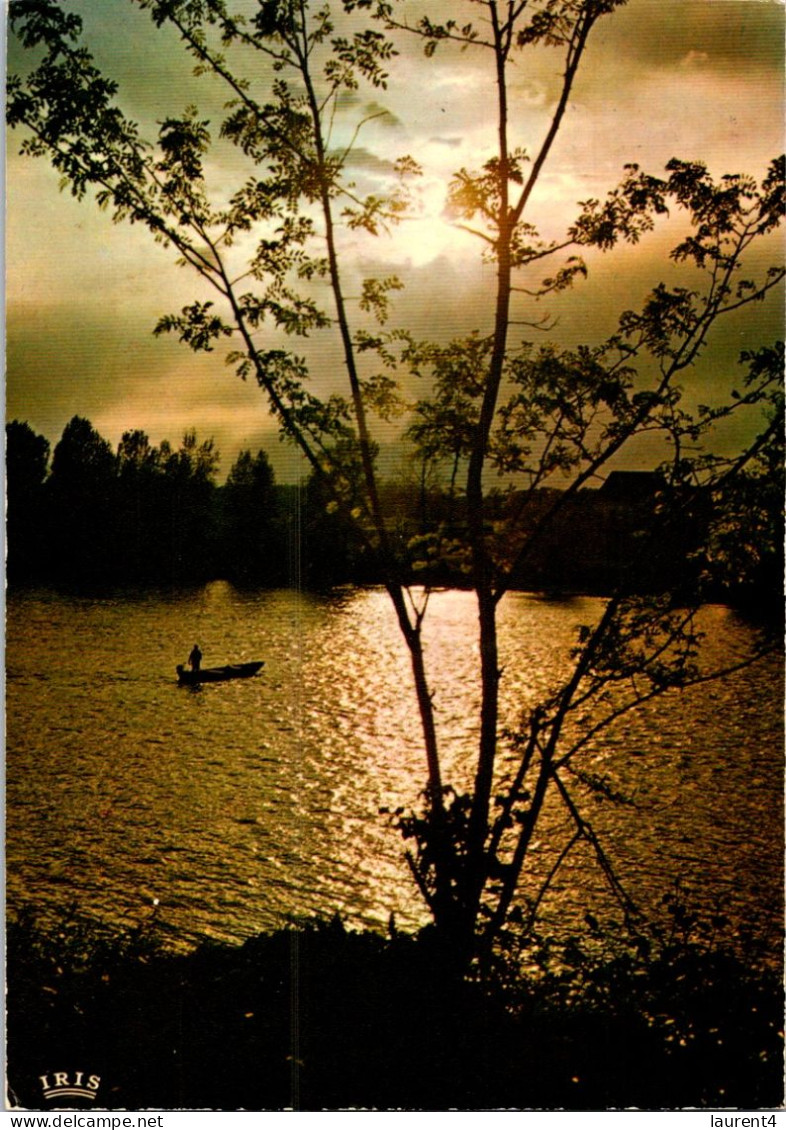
145,514
532,415
252,531
81,498
743,553
138,525
336,520
27,462
184,510
166,521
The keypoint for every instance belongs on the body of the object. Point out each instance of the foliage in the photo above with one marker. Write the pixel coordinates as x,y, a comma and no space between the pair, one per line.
494,402
79,501
379,1025
252,532
27,462
142,515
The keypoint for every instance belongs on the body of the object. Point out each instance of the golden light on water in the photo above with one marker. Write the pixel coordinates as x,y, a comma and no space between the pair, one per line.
261,798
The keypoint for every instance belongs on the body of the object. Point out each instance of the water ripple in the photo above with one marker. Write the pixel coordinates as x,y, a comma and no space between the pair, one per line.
250,802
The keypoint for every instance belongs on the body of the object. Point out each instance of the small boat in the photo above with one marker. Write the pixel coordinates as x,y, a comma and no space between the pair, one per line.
188,678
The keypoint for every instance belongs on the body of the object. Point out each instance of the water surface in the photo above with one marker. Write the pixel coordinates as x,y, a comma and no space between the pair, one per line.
225,810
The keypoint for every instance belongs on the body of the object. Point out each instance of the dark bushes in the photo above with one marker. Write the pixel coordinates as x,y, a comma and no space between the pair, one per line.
317,1017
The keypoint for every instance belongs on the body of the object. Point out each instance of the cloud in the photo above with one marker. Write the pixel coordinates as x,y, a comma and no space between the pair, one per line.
530,93
695,59
697,79
364,159
383,115
736,35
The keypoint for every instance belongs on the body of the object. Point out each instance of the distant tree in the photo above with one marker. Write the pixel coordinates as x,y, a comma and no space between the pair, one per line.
252,473
193,463
252,534
81,501
165,520
185,511
335,526
82,459
27,462
26,457
137,522
136,456
497,403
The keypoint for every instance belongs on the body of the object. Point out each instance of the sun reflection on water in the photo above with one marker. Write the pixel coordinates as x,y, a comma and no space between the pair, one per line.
230,810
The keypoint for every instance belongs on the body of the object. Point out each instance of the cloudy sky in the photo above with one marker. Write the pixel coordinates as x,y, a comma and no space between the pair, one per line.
697,79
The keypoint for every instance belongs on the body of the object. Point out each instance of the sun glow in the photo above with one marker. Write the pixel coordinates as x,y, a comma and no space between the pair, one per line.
429,234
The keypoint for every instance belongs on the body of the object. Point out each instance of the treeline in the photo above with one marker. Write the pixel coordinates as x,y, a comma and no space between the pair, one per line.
141,514
88,516
91,516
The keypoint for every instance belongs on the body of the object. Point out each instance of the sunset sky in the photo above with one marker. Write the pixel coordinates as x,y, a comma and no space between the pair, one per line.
696,79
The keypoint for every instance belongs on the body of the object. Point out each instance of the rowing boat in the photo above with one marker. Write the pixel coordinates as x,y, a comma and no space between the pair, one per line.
188,678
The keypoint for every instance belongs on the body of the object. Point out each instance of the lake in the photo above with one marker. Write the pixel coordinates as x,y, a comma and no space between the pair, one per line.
230,809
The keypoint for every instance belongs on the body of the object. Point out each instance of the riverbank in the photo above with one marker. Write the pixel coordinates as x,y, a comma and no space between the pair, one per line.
316,1017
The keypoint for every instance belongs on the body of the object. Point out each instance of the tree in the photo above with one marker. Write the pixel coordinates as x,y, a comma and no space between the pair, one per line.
27,462
82,459
252,540
185,496
536,415
81,502
335,547
140,525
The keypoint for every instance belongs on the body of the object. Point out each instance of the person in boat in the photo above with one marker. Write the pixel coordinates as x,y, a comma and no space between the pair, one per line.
195,658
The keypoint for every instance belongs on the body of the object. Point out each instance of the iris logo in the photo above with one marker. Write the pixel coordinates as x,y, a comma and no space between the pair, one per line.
64,1085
